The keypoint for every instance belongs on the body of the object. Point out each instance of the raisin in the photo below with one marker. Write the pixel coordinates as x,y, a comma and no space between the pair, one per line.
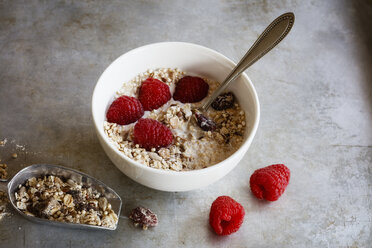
65,189
37,209
224,101
204,122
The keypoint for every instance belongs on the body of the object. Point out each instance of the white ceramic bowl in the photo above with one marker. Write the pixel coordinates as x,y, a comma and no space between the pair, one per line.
190,58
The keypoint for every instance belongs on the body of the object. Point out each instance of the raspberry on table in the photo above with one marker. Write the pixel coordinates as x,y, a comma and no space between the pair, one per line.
149,133
153,94
270,182
124,110
190,89
226,215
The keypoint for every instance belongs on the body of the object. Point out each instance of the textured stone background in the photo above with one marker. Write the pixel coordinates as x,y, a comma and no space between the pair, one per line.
315,94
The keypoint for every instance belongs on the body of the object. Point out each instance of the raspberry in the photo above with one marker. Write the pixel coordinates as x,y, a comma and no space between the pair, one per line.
124,110
190,89
226,215
153,94
149,133
270,182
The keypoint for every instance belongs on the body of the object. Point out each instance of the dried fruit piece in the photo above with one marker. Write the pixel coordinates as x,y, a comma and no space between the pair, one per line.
204,122
270,182
190,89
149,133
224,101
226,215
144,217
153,94
124,110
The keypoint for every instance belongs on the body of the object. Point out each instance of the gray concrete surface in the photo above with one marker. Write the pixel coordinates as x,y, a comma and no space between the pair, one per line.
315,94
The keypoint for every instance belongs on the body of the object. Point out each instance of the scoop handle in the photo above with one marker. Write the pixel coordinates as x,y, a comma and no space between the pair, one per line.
271,37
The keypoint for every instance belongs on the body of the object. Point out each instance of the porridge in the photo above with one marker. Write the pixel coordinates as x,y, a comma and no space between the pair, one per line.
190,146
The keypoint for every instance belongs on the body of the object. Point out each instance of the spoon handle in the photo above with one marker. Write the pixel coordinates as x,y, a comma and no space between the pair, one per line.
271,37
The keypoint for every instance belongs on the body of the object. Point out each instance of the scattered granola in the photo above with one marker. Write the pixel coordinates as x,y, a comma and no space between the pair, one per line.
3,171
59,199
144,217
192,148
3,202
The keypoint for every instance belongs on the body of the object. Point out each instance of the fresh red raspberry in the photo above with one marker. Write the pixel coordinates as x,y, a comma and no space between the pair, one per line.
226,215
153,94
149,133
124,110
190,89
270,182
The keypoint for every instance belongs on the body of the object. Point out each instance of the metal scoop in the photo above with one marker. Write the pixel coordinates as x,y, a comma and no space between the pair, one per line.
38,170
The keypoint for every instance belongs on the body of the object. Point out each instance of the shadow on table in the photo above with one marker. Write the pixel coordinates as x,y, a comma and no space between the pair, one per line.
362,23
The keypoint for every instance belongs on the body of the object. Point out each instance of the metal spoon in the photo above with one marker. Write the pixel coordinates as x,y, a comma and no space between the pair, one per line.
38,170
271,37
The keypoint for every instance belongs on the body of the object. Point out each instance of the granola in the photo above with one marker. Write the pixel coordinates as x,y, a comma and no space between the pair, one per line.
193,148
3,171
55,198
143,217
3,204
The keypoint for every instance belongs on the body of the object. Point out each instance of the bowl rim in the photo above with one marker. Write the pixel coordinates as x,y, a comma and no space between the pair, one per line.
171,172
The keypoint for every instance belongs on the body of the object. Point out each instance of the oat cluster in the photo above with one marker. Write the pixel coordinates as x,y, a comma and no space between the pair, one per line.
193,148
143,217
3,171
54,198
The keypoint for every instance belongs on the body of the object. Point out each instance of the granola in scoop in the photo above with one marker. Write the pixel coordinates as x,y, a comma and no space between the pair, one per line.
55,198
